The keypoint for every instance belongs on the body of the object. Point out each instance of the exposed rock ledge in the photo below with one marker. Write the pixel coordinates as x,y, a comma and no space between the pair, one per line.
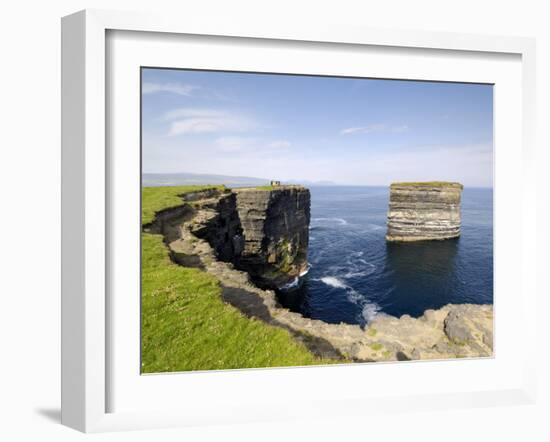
453,331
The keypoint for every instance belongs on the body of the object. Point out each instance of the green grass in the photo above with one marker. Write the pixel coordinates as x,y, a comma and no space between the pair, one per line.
269,187
154,199
185,323
264,187
376,346
429,183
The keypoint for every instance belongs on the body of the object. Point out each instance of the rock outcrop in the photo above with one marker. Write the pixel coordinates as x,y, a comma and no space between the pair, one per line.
453,331
263,231
275,229
424,211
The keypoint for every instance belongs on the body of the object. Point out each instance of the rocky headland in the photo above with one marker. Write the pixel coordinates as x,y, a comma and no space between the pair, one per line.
424,211
275,231
252,240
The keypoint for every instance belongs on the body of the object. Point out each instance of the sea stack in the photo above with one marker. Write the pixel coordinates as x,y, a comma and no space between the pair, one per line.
421,211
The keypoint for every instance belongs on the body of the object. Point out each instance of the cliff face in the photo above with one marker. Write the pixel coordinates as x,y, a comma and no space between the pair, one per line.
264,232
237,236
424,211
275,224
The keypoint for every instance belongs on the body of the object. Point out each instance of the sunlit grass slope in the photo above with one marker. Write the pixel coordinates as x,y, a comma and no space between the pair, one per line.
186,325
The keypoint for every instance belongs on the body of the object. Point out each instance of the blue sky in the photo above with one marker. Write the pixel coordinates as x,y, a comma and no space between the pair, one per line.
302,128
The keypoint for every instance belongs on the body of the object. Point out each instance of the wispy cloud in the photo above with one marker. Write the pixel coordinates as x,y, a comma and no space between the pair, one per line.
173,88
195,121
371,128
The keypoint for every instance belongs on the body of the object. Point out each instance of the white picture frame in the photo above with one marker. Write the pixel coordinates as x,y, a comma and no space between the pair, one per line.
86,352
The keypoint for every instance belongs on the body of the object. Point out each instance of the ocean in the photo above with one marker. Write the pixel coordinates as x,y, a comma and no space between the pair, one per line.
355,274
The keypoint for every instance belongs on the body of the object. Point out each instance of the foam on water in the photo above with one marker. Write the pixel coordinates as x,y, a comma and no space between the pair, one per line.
340,221
333,282
355,267
370,227
357,275
369,309
291,285
296,281
306,271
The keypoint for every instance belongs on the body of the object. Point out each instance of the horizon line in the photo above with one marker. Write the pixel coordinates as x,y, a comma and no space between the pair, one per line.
324,183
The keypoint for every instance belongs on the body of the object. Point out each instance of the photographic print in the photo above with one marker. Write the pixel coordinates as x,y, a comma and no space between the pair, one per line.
293,220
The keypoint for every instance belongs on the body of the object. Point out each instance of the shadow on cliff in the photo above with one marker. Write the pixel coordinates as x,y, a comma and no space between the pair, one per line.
224,234
252,306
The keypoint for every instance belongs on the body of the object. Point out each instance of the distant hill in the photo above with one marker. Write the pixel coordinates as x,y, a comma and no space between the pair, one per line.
184,178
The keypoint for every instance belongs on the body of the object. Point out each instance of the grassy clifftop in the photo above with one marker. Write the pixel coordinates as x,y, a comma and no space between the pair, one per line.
185,323
427,184
154,199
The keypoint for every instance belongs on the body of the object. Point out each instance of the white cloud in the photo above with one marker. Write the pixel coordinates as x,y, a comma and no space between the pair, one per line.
350,130
194,121
373,128
173,88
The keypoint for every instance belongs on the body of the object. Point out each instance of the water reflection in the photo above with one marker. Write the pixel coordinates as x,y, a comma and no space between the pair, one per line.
422,275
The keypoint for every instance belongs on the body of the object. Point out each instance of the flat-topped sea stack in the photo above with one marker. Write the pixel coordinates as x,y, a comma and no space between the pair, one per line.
421,211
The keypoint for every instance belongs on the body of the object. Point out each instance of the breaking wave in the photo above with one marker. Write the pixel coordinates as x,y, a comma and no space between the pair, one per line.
291,285
357,275
370,311
296,282
306,271
333,282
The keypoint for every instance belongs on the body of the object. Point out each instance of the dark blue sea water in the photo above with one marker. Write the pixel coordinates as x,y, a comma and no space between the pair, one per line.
355,273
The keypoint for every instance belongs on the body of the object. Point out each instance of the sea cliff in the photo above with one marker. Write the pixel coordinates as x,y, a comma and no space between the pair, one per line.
263,231
275,226
236,236
424,211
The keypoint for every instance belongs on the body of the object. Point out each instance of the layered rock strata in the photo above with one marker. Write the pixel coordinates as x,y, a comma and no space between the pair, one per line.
275,231
424,211
452,331
264,231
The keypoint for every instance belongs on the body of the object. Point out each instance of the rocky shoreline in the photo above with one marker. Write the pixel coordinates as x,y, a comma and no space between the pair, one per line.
452,331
